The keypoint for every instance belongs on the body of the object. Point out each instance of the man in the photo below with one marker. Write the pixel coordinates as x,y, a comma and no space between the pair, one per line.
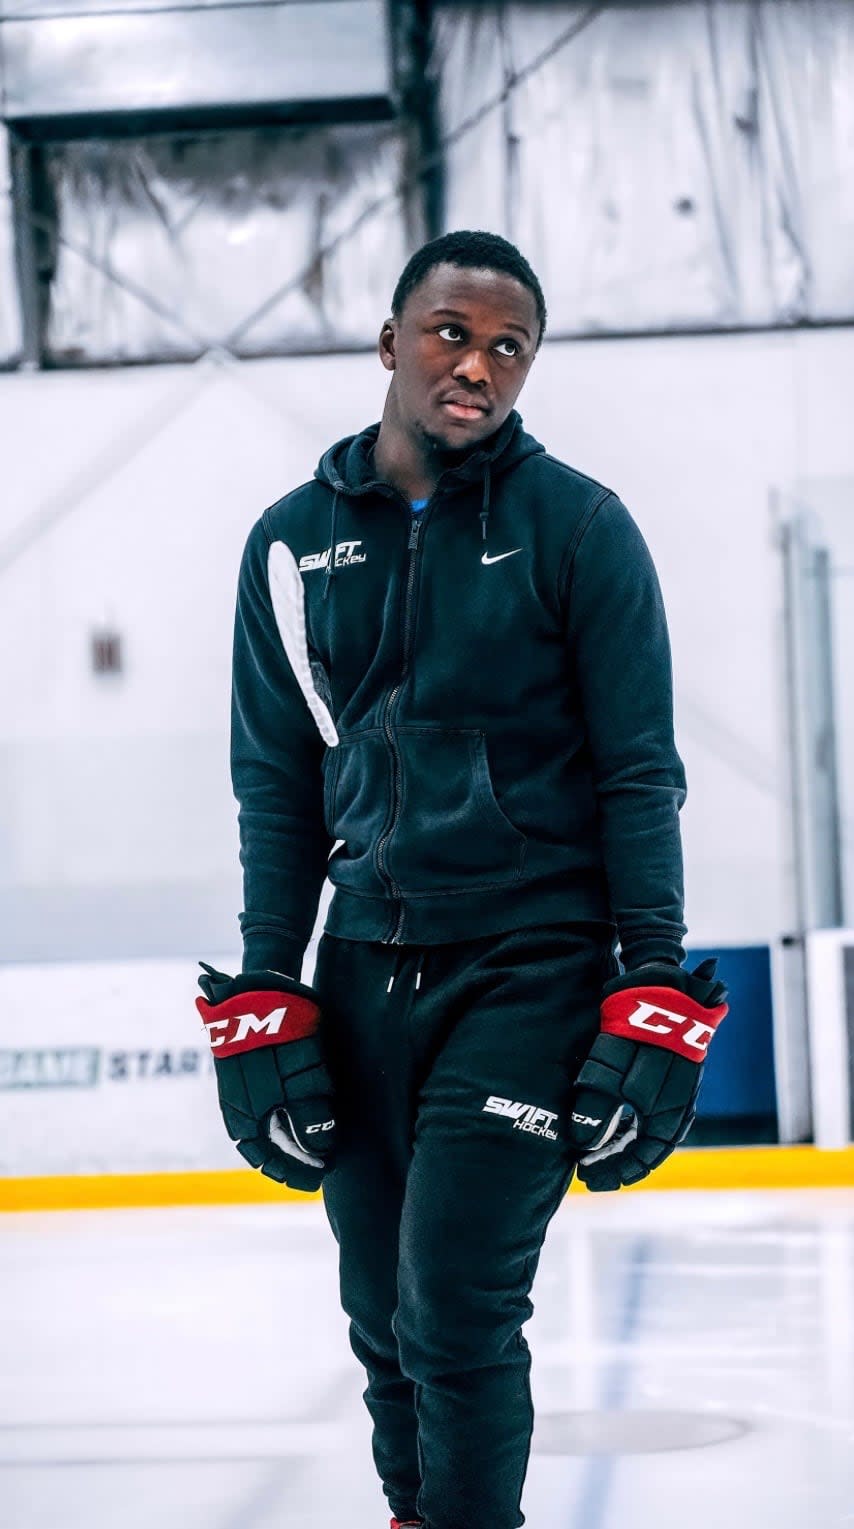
452,693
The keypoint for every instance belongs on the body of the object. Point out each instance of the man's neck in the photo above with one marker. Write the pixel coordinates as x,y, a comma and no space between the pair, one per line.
398,461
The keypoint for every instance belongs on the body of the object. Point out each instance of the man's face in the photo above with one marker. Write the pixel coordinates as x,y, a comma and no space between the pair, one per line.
460,352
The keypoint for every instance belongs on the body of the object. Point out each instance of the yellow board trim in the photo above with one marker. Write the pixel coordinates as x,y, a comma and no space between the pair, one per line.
709,1168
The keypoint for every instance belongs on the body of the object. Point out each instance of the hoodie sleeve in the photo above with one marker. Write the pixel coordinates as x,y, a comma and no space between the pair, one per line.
620,649
276,755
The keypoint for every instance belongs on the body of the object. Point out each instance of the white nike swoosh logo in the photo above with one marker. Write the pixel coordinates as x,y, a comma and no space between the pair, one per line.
486,559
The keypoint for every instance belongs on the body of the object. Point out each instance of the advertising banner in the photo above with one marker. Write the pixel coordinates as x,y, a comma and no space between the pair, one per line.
106,1068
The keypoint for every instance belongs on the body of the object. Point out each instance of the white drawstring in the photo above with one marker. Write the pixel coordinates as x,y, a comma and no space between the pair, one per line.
393,977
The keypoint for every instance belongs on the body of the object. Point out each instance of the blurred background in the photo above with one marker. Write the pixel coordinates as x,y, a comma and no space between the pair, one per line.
204,208
203,212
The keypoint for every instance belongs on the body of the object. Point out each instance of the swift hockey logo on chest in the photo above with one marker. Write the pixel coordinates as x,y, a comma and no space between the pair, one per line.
345,555
525,1117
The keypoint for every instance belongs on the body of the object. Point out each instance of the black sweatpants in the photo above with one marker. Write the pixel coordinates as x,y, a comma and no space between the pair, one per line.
452,1068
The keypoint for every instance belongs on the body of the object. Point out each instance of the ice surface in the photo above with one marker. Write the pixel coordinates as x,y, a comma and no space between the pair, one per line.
694,1365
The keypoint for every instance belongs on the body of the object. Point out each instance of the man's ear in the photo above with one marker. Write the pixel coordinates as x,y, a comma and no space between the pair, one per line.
386,345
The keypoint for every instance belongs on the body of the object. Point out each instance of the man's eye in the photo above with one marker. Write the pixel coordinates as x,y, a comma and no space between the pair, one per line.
450,332
507,348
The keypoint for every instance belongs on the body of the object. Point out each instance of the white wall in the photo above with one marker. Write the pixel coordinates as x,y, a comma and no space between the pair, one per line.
117,827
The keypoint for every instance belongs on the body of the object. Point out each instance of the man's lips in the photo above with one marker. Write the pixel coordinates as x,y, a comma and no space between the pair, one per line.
460,407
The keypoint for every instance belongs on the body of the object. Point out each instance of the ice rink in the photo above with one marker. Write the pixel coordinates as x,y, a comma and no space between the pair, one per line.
189,1368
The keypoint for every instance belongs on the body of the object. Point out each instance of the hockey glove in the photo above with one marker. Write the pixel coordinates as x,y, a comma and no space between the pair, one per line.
635,1096
274,1091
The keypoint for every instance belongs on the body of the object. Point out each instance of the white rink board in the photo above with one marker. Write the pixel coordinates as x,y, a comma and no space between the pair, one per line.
830,988
105,1068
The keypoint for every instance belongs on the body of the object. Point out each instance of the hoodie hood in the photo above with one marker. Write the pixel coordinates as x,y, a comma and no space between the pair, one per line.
348,466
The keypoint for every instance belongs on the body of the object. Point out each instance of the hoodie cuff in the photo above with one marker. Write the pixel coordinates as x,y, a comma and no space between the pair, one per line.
651,947
268,951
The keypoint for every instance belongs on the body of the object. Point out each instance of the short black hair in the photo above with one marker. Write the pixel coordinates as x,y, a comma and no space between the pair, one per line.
474,249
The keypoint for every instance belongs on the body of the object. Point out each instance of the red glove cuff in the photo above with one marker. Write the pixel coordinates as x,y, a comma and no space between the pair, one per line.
249,1020
662,1016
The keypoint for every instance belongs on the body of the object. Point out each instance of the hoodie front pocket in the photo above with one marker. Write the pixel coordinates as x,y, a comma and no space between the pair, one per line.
357,802
450,834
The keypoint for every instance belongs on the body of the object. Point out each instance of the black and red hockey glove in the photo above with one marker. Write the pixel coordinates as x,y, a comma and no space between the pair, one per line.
274,1090
635,1096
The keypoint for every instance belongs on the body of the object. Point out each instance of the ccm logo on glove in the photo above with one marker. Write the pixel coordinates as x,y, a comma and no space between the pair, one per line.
256,1019
686,1031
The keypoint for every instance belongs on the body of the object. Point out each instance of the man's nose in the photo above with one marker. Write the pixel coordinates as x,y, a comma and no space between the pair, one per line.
473,366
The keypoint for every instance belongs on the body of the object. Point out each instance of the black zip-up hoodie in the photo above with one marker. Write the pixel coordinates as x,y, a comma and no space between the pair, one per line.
463,717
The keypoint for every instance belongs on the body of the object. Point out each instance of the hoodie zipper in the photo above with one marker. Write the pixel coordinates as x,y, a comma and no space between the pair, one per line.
416,522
